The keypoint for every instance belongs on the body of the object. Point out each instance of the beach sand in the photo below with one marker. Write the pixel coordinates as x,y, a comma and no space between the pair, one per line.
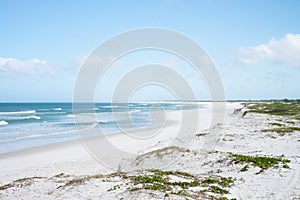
45,172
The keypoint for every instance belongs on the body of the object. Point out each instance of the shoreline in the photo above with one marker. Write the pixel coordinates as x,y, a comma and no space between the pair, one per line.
62,144
49,146
34,141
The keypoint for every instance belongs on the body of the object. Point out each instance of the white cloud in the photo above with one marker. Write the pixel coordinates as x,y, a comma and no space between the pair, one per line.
285,50
32,66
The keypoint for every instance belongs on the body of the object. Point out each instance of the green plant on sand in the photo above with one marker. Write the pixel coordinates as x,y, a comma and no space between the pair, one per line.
263,162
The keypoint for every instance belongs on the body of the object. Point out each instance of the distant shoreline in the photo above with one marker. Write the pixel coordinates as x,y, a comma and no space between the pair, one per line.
162,101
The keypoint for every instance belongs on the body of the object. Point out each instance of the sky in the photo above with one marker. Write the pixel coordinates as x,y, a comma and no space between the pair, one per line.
254,44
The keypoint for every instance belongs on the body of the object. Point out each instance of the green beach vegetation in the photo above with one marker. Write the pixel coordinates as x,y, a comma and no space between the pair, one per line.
289,109
279,107
282,130
263,162
158,180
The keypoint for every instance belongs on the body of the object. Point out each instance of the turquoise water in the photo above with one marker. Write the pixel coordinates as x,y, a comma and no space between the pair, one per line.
25,125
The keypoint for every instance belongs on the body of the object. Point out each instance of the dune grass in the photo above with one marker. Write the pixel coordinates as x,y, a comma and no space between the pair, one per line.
158,180
282,130
23,182
286,108
276,124
263,162
282,108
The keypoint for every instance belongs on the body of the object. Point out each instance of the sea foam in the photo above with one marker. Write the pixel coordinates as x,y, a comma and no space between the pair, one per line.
32,117
2,123
19,112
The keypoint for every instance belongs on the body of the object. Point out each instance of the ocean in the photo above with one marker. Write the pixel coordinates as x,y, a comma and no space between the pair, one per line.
25,125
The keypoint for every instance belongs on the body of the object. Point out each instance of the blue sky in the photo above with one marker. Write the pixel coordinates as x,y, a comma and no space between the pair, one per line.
254,44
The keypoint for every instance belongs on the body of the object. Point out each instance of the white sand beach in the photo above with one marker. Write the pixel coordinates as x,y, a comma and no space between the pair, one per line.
68,171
